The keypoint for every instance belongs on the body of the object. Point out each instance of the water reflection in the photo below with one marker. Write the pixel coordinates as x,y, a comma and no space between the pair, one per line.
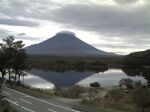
63,79
144,72
37,82
109,78
47,79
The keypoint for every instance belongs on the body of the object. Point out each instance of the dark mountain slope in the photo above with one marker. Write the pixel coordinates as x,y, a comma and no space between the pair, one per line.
66,44
138,58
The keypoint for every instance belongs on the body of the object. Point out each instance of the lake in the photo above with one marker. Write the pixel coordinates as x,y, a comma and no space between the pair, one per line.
43,79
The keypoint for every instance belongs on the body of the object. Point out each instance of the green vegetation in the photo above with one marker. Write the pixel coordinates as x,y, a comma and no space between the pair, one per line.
72,63
45,59
12,58
137,59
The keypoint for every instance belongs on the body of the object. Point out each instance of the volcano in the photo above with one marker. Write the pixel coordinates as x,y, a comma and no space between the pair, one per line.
64,44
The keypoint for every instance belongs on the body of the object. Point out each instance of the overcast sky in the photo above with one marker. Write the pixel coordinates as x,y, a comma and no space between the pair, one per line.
119,26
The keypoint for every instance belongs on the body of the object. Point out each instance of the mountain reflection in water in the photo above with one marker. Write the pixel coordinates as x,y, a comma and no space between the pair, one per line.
48,79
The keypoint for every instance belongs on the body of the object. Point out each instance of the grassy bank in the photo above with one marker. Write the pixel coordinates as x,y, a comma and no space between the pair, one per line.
133,100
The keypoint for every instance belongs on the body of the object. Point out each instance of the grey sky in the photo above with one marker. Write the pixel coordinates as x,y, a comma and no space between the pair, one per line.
119,25
17,22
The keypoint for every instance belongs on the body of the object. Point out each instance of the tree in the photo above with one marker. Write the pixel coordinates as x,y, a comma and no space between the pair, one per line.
19,64
16,56
95,85
7,47
3,63
93,90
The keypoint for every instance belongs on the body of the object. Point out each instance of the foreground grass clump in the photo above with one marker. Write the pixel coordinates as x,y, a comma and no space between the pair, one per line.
4,106
133,100
71,92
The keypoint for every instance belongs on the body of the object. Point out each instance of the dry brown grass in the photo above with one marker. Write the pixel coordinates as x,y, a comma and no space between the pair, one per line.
120,100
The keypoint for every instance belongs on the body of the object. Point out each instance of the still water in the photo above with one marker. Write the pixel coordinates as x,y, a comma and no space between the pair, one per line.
48,79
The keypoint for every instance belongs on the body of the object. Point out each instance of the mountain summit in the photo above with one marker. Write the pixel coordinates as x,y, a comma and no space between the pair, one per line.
65,43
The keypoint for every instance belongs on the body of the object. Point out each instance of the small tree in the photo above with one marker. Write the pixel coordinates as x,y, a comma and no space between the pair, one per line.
95,85
93,89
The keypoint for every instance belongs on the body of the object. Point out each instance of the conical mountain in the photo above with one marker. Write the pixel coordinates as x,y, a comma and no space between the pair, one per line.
65,44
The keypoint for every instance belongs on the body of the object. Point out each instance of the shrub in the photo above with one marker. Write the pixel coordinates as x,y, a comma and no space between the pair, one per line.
129,83
95,85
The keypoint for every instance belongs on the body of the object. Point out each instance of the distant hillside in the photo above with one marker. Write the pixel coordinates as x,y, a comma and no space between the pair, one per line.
66,44
138,58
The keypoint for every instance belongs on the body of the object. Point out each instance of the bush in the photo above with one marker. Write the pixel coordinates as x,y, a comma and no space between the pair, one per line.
95,85
129,83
